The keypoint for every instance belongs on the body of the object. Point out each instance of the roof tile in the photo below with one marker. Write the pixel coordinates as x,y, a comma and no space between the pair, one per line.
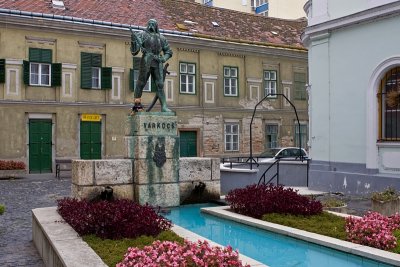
170,13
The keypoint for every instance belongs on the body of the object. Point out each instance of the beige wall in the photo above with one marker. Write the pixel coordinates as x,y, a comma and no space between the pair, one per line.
287,9
204,112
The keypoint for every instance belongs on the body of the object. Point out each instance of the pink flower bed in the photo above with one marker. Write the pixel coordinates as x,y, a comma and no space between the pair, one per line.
187,255
373,229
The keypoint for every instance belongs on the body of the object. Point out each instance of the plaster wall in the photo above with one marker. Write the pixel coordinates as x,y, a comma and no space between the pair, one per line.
325,10
339,116
286,9
65,104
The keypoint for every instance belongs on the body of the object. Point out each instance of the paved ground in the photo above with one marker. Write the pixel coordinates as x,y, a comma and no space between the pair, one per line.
21,196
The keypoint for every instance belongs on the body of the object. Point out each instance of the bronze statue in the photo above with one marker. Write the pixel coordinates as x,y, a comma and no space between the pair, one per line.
151,43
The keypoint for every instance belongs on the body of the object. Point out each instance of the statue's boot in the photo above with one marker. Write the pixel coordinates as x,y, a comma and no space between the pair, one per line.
163,101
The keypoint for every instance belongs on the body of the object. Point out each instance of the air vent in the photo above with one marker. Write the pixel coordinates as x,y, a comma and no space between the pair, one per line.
58,4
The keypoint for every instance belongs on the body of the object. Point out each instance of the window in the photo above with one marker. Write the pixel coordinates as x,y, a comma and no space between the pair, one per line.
256,3
93,76
134,75
187,73
231,137
389,103
300,92
230,81
303,136
270,83
39,70
271,138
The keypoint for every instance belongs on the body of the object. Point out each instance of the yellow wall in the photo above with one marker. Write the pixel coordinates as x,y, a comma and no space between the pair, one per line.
206,111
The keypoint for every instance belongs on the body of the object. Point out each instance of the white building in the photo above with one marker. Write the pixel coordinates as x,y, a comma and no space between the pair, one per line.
354,66
286,9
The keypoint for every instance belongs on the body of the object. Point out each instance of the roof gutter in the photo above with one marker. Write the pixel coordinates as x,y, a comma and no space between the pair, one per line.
107,24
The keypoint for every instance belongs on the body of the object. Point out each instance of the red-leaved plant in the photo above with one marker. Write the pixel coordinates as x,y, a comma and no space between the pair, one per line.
257,200
112,219
12,165
190,254
373,229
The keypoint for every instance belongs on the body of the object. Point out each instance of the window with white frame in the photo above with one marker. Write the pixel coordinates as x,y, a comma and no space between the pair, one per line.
187,73
147,87
230,81
93,75
256,3
301,134
300,92
231,137
39,70
271,135
270,83
40,66
96,80
40,74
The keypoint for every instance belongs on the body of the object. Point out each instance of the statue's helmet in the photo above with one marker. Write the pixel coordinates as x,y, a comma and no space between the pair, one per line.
152,25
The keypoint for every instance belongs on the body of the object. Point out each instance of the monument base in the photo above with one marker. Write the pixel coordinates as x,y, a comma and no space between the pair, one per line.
152,143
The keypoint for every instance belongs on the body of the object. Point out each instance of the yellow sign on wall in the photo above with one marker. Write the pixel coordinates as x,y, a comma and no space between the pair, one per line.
91,117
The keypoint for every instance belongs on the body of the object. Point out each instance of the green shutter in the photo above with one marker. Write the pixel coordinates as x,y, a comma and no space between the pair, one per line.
131,80
40,55
86,70
2,70
26,72
106,78
56,74
96,60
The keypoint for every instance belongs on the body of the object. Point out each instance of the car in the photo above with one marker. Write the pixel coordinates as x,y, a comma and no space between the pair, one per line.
285,153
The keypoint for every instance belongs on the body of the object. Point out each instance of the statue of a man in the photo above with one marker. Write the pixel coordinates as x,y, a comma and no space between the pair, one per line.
151,43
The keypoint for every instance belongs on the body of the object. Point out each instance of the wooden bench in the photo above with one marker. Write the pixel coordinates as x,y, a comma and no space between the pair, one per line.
63,164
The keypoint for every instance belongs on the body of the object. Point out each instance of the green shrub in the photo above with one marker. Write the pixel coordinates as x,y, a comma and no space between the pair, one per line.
113,251
323,224
257,200
2,209
332,203
387,195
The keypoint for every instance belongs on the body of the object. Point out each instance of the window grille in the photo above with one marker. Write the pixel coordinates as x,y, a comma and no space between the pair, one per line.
389,106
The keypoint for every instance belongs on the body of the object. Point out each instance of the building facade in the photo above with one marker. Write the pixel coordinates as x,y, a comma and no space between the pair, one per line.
285,9
67,79
354,86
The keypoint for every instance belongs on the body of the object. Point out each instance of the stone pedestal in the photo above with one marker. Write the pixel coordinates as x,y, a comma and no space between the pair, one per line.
152,142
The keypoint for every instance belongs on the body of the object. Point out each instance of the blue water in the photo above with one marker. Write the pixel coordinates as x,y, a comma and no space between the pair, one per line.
269,248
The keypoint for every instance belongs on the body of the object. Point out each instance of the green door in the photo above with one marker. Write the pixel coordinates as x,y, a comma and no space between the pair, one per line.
188,143
90,140
40,157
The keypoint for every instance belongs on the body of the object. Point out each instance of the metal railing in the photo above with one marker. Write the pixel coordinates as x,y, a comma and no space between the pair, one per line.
275,175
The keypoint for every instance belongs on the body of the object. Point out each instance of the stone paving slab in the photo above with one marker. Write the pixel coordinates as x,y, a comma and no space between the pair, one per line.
20,196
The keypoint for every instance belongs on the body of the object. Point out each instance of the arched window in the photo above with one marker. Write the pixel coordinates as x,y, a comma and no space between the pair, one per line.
389,106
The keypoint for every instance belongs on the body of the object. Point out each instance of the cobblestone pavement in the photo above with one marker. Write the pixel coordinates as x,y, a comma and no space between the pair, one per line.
20,196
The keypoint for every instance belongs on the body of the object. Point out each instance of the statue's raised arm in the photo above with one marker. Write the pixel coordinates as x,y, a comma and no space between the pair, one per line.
135,42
